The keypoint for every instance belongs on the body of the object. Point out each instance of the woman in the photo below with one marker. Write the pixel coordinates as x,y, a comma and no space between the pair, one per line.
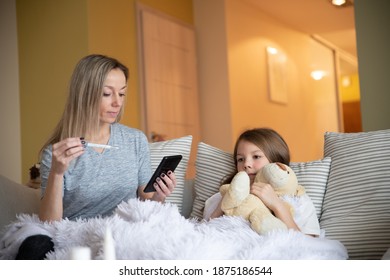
80,181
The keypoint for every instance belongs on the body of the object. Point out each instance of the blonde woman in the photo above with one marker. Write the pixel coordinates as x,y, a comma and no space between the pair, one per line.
80,181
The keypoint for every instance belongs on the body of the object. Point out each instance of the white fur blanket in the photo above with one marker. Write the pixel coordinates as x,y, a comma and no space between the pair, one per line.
150,230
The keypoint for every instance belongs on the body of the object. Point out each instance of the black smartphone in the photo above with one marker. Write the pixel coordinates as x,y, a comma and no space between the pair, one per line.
167,163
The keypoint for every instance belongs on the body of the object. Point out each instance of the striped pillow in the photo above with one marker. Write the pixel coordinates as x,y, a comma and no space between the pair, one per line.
313,175
356,209
213,164
179,146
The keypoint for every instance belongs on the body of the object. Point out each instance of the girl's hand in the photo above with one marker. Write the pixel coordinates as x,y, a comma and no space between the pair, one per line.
164,186
64,152
267,194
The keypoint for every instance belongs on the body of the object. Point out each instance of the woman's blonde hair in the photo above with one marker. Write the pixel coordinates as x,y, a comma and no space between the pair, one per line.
81,113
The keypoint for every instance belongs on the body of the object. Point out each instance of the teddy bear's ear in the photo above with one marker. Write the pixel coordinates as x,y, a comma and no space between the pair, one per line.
281,166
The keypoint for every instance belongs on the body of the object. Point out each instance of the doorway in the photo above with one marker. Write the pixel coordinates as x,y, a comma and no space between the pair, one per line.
349,92
168,75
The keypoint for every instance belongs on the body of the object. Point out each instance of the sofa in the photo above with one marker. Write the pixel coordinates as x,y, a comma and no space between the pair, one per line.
349,186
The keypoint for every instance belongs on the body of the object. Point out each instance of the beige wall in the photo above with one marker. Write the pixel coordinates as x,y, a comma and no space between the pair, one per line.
10,148
52,37
243,32
214,101
115,36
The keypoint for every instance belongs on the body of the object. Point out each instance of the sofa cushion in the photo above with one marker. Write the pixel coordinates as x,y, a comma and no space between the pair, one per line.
313,175
213,164
16,198
356,209
178,146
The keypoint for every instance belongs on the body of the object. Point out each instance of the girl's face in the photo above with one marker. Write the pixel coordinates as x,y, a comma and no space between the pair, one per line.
114,91
250,158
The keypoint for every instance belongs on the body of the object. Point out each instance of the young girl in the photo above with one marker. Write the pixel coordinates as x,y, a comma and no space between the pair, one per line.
254,149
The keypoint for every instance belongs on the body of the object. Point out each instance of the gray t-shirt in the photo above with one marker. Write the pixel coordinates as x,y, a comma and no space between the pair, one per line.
95,183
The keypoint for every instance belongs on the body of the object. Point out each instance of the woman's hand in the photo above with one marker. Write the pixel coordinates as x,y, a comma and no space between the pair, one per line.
64,152
164,186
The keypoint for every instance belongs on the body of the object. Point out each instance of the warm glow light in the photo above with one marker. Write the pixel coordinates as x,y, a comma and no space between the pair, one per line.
272,50
346,81
317,74
338,2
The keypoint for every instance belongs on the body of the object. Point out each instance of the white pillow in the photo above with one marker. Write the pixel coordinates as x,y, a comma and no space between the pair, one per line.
213,164
356,209
178,146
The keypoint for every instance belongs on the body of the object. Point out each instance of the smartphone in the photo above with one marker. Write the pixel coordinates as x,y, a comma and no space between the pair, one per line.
167,163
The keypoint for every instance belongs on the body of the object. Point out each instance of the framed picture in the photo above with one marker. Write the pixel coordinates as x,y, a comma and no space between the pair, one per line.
277,75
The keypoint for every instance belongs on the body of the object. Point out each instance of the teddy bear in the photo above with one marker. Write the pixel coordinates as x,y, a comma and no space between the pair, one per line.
238,201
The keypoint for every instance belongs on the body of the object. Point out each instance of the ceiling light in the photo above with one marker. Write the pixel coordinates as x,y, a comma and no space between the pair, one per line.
341,3
338,2
272,50
317,74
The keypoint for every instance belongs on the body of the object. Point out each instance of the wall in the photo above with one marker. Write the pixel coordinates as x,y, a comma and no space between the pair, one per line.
373,39
10,148
214,101
311,107
52,37
239,98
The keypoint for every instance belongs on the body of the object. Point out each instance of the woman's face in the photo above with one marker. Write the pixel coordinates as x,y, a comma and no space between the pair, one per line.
250,158
114,91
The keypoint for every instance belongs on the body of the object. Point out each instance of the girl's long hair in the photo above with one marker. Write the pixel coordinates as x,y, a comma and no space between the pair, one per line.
269,141
81,113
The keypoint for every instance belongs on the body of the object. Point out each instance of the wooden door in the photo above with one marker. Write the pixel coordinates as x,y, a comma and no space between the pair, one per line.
168,79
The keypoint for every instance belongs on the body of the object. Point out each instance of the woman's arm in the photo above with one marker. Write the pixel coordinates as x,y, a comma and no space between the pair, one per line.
51,206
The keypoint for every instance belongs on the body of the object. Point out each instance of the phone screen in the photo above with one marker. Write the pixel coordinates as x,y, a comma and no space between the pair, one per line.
167,163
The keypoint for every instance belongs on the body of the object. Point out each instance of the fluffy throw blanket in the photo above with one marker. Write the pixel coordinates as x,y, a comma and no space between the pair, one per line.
150,230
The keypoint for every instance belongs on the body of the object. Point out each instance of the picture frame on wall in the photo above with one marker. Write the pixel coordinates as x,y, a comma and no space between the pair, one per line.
277,75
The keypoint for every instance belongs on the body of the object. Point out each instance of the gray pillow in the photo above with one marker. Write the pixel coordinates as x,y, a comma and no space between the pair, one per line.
178,146
356,209
212,164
